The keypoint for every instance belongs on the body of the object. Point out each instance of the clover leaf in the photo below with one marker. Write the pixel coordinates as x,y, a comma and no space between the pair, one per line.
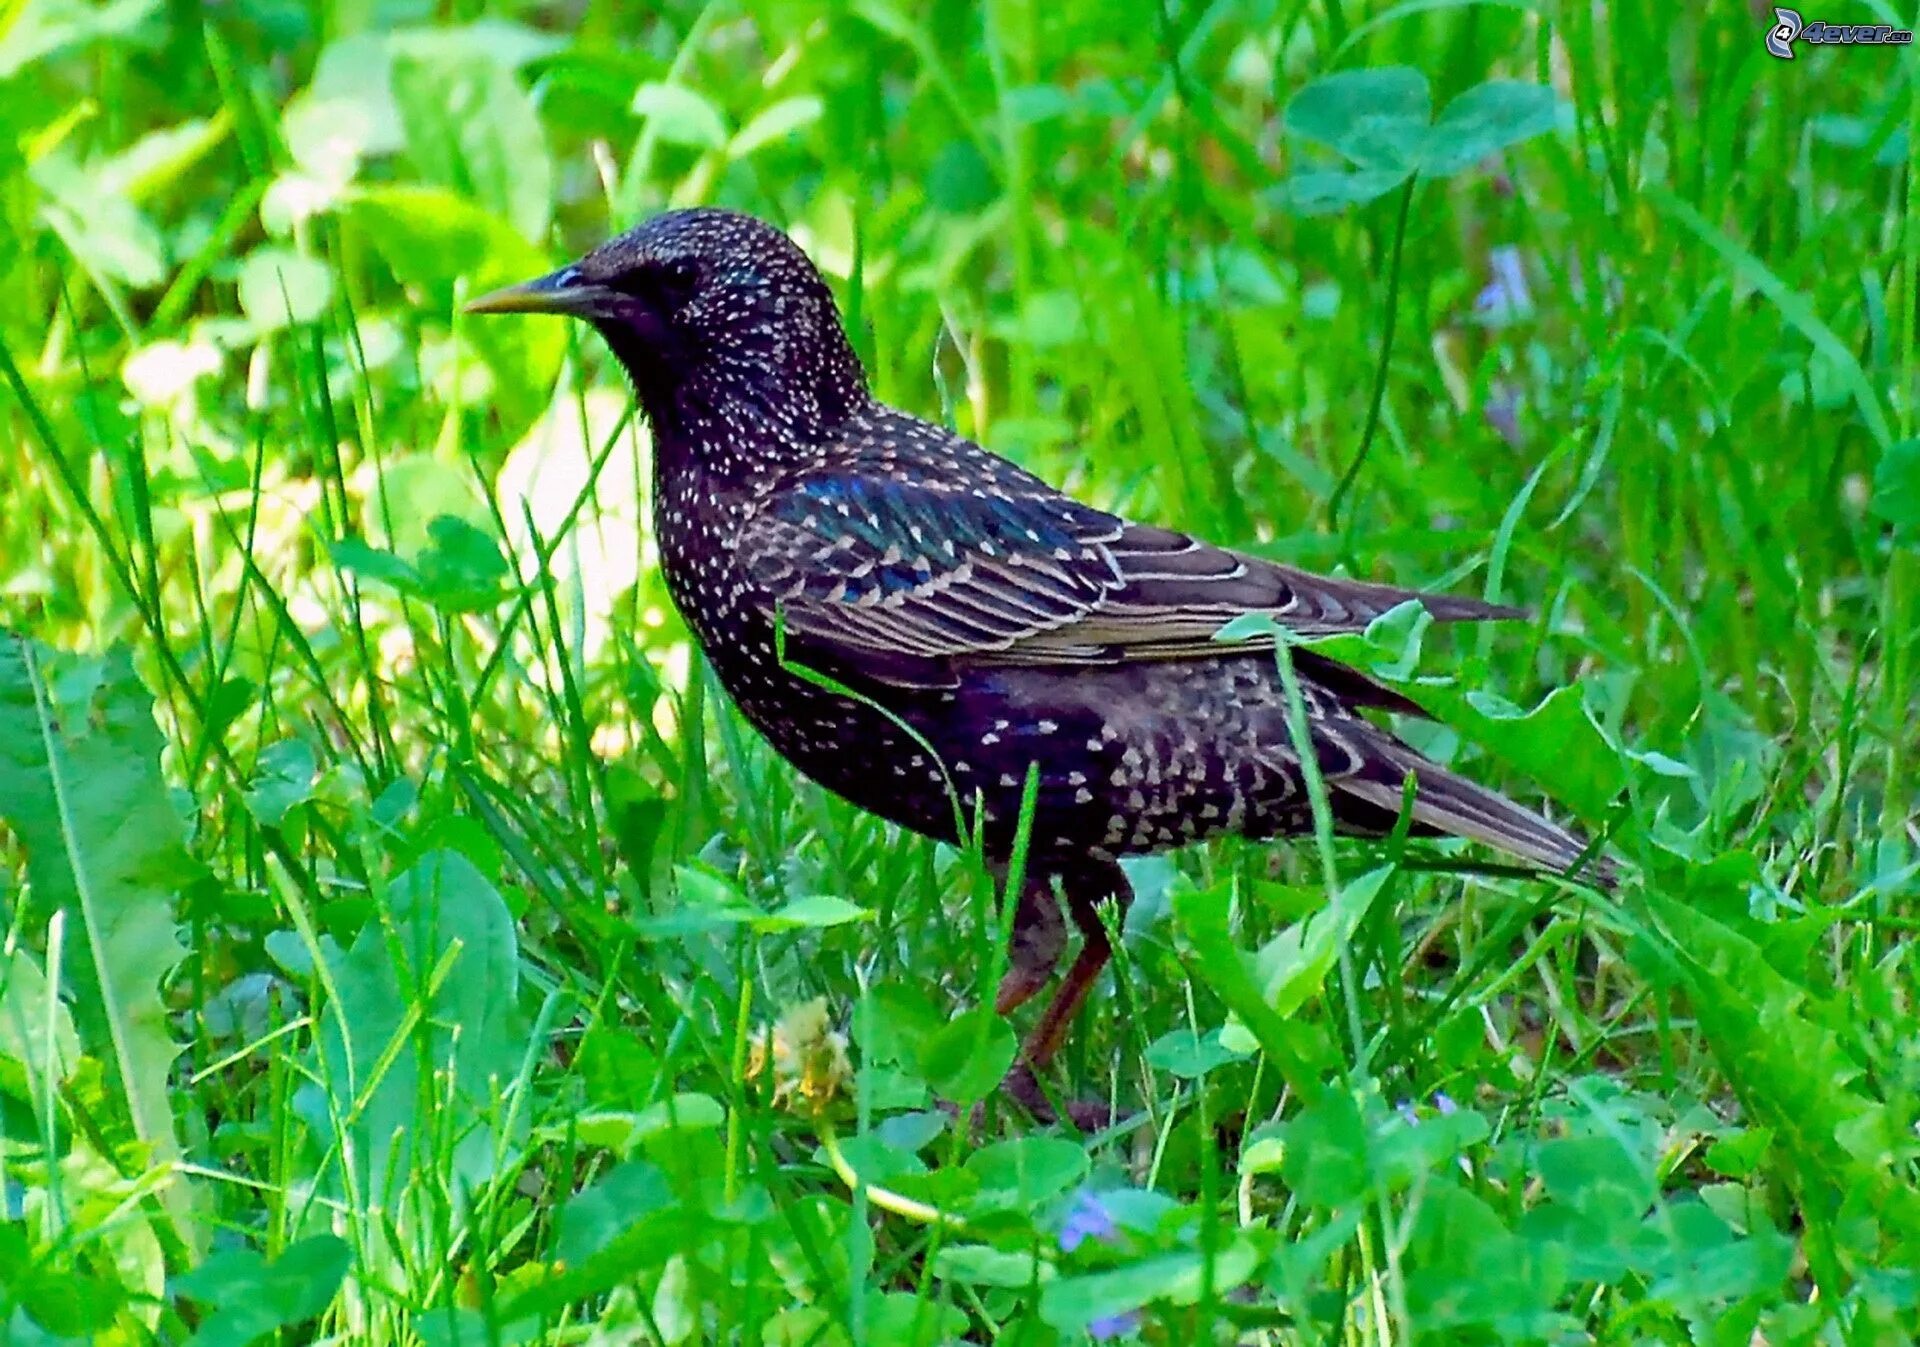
1380,122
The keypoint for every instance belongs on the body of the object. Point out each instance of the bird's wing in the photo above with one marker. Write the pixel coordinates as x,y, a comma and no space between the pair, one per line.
907,575
926,569
1175,592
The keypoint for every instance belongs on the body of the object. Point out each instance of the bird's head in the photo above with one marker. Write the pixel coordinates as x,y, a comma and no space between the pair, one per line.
716,316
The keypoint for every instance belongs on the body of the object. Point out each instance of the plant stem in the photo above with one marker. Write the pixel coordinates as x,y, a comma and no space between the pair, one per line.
1386,353
884,1198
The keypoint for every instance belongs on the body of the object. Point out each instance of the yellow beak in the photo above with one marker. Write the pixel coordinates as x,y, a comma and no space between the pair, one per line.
562,292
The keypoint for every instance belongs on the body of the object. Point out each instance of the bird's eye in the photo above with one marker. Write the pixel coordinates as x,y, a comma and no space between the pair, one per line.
663,286
681,272
674,282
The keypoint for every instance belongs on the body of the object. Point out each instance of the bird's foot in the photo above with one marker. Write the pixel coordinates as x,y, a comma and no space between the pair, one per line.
1086,1115
1024,1090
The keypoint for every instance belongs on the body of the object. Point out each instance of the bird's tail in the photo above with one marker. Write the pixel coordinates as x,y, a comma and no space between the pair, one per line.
1449,803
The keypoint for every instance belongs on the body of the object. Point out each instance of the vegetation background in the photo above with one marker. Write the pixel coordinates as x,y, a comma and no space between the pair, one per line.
395,916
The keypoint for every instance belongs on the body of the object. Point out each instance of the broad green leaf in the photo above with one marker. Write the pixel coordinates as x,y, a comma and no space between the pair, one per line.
1026,1172
105,230
1324,1158
676,1309
55,1302
80,787
1660,764
375,563
36,1028
892,1022
438,241
1738,1154
433,237
348,108
460,571
245,1297
679,116
879,1158
984,1265
282,779
912,1320
705,900
1071,1303
1326,190
775,122
1556,744
960,181
1469,1271
1485,119
416,490
1396,637
912,1131
815,911
624,1132
1702,1262
1377,119
504,42
1201,916
471,127
967,1058
427,1017
1293,966
698,1112
1408,1151
1048,319
459,1326
1185,1053
597,1216
1896,488
1600,1176
159,159
163,374
1590,1252
1792,1072
1265,1150
33,32
628,1222
280,288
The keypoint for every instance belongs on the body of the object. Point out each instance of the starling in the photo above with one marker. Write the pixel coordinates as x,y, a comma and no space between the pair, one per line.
972,623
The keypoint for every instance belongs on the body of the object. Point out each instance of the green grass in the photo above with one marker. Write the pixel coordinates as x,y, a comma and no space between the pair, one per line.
470,905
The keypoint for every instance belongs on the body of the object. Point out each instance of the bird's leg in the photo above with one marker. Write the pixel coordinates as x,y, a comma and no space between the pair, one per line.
1038,939
1084,887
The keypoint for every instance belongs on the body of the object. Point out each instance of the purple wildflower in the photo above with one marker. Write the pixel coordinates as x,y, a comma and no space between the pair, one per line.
1088,1218
1442,1104
1506,297
1110,1326
1502,411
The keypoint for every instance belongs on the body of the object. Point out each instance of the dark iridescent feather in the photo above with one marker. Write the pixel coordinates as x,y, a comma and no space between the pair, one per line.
956,555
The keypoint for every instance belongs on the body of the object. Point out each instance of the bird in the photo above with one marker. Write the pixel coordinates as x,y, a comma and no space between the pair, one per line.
920,625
